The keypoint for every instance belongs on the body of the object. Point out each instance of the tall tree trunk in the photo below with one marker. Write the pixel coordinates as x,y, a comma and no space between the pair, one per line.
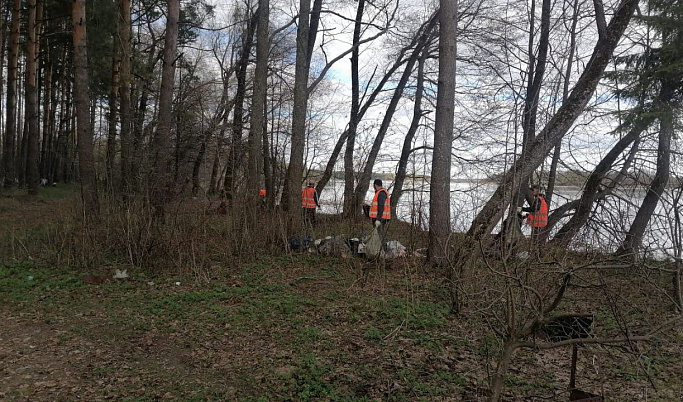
236,151
124,33
32,116
439,184
162,173
634,236
350,203
258,104
558,125
111,134
82,100
397,191
294,175
9,150
49,104
536,72
552,174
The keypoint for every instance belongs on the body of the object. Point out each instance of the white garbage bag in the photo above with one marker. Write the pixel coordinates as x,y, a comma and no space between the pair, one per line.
373,246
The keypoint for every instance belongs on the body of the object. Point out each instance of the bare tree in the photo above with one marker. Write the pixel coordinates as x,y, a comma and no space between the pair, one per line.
558,125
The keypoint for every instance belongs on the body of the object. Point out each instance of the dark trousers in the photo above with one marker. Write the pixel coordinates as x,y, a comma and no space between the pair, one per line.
382,230
309,215
536,233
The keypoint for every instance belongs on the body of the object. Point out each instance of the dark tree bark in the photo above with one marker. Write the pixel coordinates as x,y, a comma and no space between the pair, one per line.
418,113
162,174
439,184
603,191
86,158
32,116
111,118
536,72
329,167
294,176
9,150
552,174
634,237
557,127
366,175
125,75
258,105
350,201
236,151
592,188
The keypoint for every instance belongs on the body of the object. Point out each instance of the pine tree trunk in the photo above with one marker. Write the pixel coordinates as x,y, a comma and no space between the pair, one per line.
86,158
32,116
9,151
124,32
162,174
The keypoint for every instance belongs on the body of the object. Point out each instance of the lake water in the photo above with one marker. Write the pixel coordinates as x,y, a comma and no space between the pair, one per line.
616,213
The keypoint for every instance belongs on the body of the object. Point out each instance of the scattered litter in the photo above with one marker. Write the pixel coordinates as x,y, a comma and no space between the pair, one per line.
335,246
121,274
523,255
30,277
177,283
300,243
394,249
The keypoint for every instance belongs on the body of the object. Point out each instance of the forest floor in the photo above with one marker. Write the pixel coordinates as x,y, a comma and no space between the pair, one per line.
275,327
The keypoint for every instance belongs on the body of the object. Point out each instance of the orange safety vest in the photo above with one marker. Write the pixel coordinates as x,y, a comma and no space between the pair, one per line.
262,193
308,198
539,219
386,213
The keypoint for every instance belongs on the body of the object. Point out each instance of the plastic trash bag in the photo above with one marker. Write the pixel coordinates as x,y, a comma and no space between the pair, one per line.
373,246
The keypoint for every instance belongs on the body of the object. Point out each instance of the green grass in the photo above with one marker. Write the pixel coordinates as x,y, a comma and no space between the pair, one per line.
270,327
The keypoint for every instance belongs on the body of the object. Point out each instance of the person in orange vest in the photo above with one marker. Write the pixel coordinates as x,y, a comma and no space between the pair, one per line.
538,213
262,197
380,209
309,203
